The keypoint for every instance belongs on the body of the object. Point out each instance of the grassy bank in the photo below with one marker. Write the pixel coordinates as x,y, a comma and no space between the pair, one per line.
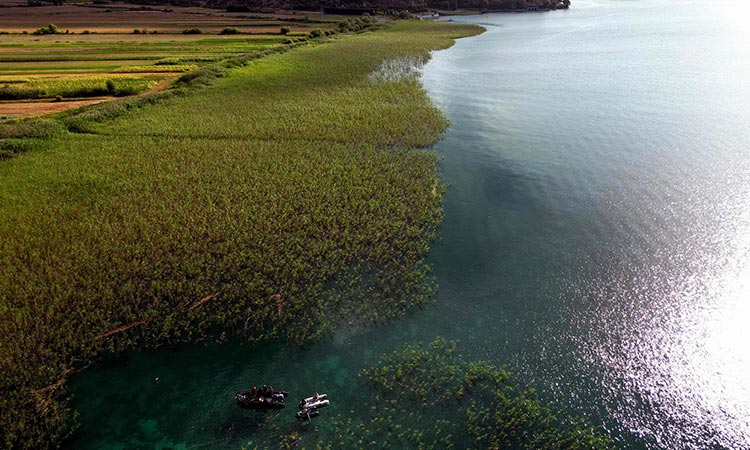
285,200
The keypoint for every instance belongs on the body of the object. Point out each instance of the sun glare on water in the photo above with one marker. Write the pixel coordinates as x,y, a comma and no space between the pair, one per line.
720,363
699,375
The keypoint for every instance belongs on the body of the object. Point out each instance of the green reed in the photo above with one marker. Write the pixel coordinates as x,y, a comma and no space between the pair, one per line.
288,198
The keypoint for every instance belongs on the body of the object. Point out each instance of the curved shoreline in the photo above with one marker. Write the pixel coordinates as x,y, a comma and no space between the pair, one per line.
159,227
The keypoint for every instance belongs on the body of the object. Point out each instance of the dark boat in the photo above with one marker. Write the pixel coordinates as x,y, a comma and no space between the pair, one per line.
307,413
261,399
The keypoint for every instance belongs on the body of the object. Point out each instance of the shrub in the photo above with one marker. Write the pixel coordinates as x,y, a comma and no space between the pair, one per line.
316,33
12,147
124,91
192,31
8,92
49,29
230,30
32,128
285,30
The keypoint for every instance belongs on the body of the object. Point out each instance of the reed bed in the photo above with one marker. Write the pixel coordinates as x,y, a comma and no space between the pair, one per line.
288,199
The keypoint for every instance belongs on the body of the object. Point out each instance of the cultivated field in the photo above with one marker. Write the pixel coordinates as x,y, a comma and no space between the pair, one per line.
122,18
90,45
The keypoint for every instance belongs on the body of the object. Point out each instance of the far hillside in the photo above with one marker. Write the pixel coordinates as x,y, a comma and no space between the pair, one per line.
351,6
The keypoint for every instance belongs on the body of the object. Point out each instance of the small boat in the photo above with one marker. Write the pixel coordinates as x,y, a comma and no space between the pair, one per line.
261,399
314,402
307,413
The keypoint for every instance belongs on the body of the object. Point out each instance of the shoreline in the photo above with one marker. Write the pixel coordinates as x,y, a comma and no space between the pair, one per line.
190,233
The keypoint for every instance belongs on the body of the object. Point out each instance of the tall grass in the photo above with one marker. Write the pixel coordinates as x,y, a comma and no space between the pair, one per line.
286,200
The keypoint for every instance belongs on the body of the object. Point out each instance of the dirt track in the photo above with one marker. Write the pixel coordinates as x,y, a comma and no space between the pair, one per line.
37,108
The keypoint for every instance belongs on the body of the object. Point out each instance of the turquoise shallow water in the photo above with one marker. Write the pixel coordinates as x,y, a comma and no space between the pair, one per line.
596,240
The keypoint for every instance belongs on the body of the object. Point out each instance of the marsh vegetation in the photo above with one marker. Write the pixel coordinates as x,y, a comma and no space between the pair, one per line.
287,198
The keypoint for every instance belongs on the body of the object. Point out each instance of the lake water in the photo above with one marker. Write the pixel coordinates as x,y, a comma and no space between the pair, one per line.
596,240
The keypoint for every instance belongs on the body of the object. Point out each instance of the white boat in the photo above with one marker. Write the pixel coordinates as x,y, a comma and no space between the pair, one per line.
314,402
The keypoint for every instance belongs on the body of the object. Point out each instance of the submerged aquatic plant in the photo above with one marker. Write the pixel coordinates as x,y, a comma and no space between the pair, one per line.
401,68
431,398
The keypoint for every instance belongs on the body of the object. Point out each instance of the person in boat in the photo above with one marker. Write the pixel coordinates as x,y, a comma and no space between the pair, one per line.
254,392
264,390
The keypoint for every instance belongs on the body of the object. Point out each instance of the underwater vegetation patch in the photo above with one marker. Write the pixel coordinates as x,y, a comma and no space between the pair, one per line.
431,398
